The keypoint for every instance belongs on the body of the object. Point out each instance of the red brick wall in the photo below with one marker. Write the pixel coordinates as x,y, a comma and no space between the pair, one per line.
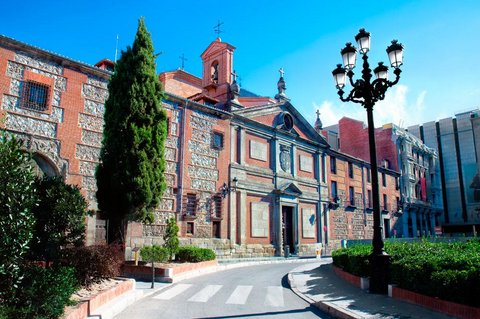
5,55
69,132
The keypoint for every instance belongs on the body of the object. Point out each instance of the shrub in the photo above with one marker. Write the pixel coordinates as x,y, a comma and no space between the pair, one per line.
44,293
194,254
171,238
450,271
93,263
17,198
154,254
60,218
353,260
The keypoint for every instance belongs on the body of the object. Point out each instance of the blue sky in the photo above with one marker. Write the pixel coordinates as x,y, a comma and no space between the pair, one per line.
440,75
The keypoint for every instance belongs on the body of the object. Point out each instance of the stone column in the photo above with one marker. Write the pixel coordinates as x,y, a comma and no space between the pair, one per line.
324,168
293,160
242,147
233,217
317,167
414,222
432,223
243,216
233,140
405,215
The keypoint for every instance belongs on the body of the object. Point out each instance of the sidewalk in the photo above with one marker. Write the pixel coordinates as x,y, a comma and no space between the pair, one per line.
319,285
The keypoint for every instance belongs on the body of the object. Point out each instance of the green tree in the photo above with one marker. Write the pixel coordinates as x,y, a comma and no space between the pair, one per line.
60,218
171,237
17,198
154,254
130,176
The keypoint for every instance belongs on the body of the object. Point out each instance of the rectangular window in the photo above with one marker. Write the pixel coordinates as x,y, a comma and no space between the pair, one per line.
35,96
334,190
399,205
190,207
217,206
350,170
369,175
351,193
385,203
217,140
190,228
369,198
384,180
397,184
333,165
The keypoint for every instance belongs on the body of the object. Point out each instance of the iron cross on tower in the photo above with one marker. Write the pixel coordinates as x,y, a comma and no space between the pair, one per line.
183,58
217,28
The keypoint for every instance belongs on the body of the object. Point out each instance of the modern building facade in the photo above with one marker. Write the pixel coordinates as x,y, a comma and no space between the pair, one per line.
456,141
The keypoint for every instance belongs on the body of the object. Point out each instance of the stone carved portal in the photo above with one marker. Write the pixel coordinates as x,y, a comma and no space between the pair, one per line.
287,229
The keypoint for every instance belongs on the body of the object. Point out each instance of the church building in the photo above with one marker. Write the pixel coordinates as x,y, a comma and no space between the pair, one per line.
247,175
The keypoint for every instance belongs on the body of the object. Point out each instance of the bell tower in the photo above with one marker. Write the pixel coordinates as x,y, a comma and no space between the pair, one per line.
217,69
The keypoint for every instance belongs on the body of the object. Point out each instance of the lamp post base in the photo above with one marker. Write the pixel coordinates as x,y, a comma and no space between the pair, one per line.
380,272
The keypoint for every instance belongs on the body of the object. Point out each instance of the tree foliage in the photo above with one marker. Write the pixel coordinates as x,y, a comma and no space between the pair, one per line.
17,198
130,176
171,237
60,218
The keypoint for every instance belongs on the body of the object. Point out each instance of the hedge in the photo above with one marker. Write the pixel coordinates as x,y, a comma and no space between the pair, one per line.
194,254
450,271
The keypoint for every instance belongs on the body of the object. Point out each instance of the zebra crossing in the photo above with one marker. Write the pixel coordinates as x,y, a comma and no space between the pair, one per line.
273,295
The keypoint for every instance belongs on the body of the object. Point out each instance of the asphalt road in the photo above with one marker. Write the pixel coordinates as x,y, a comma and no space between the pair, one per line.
260,291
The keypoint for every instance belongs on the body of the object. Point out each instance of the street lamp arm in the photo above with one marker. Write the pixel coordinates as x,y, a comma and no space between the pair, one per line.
397,72
350,75
350,97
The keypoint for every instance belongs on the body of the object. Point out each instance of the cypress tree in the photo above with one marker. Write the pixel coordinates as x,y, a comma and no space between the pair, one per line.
130,176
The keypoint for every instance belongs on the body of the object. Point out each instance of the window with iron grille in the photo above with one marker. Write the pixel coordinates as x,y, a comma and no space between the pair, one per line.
35,96
217,140
190,208
217,206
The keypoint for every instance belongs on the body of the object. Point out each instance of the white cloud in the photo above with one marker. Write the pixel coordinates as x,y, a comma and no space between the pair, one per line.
395,108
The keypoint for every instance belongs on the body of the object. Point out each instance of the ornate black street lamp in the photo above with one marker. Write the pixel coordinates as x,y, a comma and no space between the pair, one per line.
367,93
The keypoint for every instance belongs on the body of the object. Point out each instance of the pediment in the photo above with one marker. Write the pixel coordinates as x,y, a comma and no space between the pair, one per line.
275,115
215,47
289,189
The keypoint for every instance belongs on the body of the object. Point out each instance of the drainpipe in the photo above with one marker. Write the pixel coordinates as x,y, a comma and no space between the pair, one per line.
182,153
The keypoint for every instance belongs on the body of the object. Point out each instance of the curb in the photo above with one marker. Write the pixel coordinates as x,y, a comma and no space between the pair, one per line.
325,306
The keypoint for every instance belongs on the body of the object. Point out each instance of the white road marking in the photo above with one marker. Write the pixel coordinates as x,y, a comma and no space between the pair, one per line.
274,297
239,295
206,293
172,292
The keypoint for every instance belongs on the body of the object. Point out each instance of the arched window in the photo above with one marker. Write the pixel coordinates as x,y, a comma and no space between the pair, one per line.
42,166
214,71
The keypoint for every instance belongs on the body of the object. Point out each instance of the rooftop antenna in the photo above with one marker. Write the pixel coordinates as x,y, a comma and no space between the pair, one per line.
183,58
217,28
116,50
